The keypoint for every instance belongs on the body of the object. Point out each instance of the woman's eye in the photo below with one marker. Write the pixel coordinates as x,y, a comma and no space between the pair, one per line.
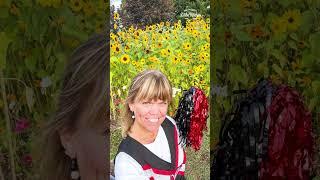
146,103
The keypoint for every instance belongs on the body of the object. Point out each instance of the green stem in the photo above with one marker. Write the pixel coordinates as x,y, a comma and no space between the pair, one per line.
113,107
8,126
2,78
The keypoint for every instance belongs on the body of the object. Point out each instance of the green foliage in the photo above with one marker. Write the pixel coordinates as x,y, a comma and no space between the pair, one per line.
37,37
278,40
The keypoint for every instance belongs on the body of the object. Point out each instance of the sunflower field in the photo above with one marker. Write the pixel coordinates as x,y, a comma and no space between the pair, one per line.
181,53
276,40
37,37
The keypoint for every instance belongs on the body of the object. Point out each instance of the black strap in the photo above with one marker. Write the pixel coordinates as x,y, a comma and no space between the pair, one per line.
144,156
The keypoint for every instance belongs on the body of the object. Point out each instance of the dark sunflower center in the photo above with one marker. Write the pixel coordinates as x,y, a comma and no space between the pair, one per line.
290,20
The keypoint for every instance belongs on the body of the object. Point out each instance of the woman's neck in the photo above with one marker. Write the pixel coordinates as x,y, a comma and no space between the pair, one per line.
141,134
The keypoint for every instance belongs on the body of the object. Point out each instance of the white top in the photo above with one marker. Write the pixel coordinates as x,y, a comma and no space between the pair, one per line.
127,168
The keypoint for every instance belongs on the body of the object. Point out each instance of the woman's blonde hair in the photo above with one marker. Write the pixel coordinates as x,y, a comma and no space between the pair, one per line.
147,85
84,89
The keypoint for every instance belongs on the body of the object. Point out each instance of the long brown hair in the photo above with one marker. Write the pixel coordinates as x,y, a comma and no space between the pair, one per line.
84,89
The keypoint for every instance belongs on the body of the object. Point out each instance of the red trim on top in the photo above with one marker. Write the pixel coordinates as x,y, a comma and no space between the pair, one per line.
169,172
158,171
146,166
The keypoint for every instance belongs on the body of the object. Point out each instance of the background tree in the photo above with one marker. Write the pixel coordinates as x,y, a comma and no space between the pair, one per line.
140,13
190,8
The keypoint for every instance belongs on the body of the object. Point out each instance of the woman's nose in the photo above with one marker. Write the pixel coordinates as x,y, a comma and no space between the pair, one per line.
154,109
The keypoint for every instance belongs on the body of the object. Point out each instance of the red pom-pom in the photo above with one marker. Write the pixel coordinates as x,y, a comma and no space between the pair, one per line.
198,120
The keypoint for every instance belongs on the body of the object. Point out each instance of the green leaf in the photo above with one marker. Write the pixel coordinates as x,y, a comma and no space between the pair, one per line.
239,32
234,10
237,74
306,22
313,103
30,62
29,97
279,56
278,70
4,12
258,17
315,87
314,41
292,44
294,36
4,42
307,59
285,3
242,36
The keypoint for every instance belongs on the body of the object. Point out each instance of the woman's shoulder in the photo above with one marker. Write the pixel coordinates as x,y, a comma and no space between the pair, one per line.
124,163
124,157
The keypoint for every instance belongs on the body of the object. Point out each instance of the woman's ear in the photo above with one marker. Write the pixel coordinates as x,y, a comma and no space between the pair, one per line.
67,142
131,107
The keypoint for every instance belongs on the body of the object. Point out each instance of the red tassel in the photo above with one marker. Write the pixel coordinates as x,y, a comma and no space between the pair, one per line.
198,120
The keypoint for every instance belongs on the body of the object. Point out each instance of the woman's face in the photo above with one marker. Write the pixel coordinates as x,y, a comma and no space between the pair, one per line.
149,114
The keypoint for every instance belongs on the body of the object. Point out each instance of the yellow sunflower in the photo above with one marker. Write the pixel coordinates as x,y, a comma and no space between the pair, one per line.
116,16
88,9
168,50
164,53
187,46
198,18
292,19
159,45
175,60
76,5
134,63
100,26
153,59
115,26
278,26
202,56
142,61
116,48
126,48
125,59
186,61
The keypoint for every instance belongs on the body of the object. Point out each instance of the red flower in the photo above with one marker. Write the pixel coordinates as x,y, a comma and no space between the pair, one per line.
21,125
27,160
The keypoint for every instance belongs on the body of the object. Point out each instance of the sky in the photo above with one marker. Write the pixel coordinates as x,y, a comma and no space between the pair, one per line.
116,3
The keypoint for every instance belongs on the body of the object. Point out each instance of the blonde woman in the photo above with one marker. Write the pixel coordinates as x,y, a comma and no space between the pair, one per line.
75,140
151,147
